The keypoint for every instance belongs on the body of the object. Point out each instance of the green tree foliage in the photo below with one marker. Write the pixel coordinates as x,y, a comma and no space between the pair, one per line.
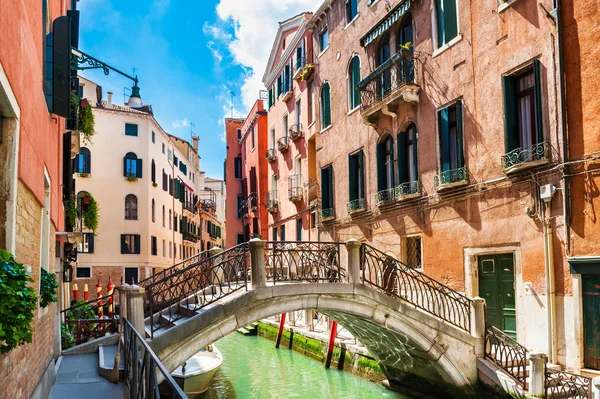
18,303
48,287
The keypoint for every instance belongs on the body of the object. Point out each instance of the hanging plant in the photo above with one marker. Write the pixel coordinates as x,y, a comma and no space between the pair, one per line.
131,178
306,71
87,122
48,287
75,112
18,301
71,211
90,213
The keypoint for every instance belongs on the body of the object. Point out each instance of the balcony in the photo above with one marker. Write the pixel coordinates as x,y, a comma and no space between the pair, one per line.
272,204
190,207
286,89
271,155
191,237
526,157
304,67
296,132
312,187
356,206
327,214
385,197
283,144
451,179
408,190
388,86
295,191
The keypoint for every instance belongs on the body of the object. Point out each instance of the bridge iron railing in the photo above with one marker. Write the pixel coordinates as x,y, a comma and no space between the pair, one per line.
170,270
506,353
309,261
560,384
397,279
197,285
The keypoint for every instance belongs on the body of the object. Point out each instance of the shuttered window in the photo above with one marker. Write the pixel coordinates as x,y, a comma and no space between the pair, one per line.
325,106
407,155
154,245
447,21
153,171
131,207
237,167
356,176
131,129
354,79
87,244
351,10
130,243
451,137
327,187
132,166
83,161
385,164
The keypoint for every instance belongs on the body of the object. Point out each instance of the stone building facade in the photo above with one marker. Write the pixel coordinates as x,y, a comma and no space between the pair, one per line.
233,182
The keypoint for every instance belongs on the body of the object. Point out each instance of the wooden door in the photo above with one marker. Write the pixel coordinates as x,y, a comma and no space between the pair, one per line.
591,320
497,287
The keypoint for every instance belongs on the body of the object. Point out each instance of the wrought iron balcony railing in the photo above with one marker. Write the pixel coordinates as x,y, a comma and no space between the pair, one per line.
328,213
384,197
295,190
450,178
283,144
189,236
296,131
356,205
525,156
304,66
272,204
387,79
312,187
189,207
271,154
407,190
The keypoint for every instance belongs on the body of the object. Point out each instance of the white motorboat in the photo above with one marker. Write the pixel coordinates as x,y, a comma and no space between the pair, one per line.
194,376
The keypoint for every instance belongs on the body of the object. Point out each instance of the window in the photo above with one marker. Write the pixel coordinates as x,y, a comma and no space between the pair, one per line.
282,232
325,106
237,167
298,114
274,234
384,53
411,249
131,207
313,220
87,245
153,137
252,133
272,139
299,229
447,21
153,211
239,134
170,249
271,99
522,111
47,63
408,170
163,216
170,155
285,126
175,160
351,10
131,275
356,178
324,40
165,181
153,172
83,272
353,80
131,129
164,248
310,102
163,148
130,243
327,188
451,141
385,167
154,245
83,161
132,165
170,220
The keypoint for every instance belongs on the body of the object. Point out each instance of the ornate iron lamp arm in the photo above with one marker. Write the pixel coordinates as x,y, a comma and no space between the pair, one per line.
79,59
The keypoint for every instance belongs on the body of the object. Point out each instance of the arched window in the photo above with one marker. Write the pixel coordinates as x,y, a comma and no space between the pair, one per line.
131,207
163,216
383,55
83,161
170,219
153,172
132,165
408,170
153,211
325,106
405,37
385,169
353,80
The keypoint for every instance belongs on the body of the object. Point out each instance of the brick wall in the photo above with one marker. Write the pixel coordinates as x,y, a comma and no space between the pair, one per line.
23,367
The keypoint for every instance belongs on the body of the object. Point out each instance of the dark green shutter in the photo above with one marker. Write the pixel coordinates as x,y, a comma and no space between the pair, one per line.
353,177
325,188
444,138
440,22
381,181
416,151
91,243
355,81
326,101
459,134
138,168
137,244
537,74
125,166
331,201
392,169
361,173
61,67
450,20
124,249
402,158
511,140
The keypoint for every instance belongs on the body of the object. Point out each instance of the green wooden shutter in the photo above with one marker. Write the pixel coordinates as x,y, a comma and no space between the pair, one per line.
450,20
392,169
381,183
355,81
137,244
326,101
125,166
537,74
138,168
459,134
91,243
331,201
444,138
325,188
511,139
361,173
353,177
124,249
416,151
402,159
440,22
270,97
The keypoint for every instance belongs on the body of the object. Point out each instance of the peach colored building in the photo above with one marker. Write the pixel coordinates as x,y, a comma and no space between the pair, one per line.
291,141
437,139
233,183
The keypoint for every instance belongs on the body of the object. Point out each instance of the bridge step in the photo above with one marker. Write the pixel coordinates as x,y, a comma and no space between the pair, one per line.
106,360
243,331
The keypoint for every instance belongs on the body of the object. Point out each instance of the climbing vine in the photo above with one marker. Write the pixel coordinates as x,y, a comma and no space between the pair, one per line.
18,301
87,123
90,213
48,287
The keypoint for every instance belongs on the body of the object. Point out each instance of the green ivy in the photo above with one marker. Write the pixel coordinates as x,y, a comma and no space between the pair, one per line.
90,214
19,303
66,336
87,124
80,310
48,287
71,211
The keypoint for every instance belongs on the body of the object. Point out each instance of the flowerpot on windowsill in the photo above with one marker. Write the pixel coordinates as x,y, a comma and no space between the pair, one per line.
84,175
131,178
154,184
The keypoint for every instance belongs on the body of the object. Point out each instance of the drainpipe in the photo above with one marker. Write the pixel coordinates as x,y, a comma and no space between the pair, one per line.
546,193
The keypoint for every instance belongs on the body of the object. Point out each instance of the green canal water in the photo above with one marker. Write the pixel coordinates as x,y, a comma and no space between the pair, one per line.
253,368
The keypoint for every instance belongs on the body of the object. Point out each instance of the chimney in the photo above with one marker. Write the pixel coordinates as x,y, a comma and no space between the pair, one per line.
195,142
109,94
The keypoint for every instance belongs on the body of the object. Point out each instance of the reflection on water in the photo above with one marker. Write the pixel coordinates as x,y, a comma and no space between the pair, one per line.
253,368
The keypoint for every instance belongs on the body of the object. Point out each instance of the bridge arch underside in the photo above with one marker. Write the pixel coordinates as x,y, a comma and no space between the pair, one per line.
415,350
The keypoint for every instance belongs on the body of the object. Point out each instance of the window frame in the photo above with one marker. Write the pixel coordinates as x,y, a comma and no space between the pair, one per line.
404,256
89,237
325,104
323,33
459,144
77,268
128,127
126,244
131,207
353,92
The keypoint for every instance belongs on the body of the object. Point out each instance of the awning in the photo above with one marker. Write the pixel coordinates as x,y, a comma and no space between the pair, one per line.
387,21
584,265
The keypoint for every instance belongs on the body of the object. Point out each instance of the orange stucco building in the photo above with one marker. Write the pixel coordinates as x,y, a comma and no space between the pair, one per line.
233,177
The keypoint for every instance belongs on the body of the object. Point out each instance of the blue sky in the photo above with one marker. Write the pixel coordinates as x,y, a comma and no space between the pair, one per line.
189,55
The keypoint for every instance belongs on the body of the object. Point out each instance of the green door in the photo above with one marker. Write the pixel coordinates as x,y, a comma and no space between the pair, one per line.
591,320
497,287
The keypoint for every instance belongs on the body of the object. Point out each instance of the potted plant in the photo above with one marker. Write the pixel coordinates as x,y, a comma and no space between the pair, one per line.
83,174
154,184
131,178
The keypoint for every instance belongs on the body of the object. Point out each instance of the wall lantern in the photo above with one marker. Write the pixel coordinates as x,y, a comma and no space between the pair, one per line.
67,272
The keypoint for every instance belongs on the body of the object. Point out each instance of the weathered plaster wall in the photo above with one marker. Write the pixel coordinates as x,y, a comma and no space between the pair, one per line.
234,187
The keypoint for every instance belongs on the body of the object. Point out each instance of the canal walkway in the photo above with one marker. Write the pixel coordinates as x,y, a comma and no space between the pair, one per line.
78,377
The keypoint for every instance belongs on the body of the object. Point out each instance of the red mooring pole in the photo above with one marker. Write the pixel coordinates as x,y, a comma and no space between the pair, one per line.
281,324
332,335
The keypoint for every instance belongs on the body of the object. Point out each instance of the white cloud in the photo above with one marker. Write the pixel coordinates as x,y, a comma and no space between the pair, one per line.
179,123
229,109
255,26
